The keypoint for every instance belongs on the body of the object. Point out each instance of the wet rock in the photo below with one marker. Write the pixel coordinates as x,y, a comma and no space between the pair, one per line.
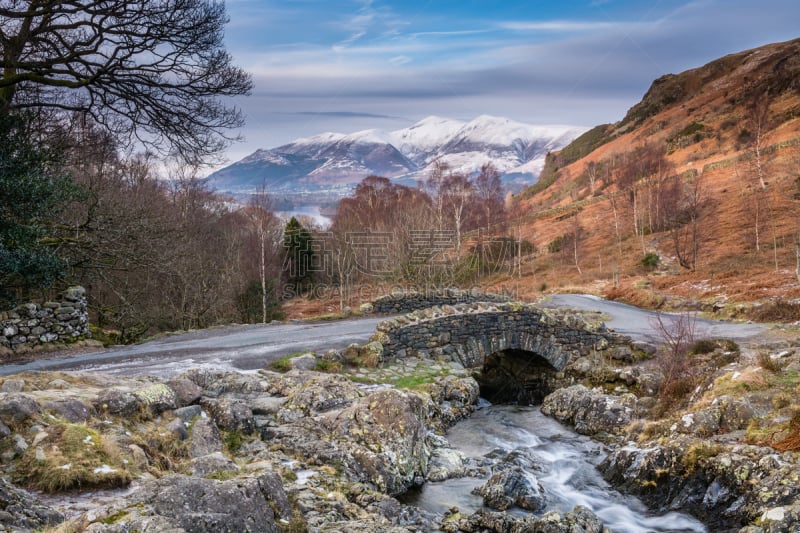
70,409
510,487
230,415
186,391
212,463
16,408
726,486
454,399
446,463
580,520
590,411
205,438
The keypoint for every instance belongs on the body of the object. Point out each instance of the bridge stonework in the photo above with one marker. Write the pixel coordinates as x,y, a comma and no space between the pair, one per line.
470,333
408,301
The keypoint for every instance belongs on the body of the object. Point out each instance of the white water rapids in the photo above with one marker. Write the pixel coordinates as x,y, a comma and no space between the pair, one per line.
569,476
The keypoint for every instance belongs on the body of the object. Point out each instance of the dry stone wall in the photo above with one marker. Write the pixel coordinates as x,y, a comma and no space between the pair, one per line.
63,320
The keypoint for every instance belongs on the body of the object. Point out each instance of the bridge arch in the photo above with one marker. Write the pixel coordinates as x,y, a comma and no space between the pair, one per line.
519,351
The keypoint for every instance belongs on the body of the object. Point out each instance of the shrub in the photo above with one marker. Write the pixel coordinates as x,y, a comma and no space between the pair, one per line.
650,260
775,311
680,374
556,244
331,367
703,346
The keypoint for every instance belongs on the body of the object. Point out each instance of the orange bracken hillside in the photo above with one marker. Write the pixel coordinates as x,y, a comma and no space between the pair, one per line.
710,160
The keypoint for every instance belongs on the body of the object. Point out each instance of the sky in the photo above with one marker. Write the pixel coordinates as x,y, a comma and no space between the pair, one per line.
348,65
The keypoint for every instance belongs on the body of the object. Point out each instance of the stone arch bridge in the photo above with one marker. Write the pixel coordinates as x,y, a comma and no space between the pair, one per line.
522,352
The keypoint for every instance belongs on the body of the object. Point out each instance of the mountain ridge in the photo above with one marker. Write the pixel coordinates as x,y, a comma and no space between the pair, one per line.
335,160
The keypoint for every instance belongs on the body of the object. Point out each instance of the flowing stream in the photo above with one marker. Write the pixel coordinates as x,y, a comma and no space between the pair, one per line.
568,474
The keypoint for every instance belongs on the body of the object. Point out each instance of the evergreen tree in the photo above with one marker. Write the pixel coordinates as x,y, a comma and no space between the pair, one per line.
299,256
32,192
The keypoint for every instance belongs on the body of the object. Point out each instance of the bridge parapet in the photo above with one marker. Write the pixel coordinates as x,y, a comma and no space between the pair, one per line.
471,332
408,301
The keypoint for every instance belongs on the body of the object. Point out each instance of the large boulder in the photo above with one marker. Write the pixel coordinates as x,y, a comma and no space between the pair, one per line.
454,399
512,487
118,403
21,511
386,437
321,393
217,382
70,409
196,505
579,520
205,438
17,408
230,415
186,392
157,398
591,411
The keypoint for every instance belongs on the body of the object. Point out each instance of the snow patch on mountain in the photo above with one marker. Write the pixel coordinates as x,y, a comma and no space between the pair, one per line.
336,158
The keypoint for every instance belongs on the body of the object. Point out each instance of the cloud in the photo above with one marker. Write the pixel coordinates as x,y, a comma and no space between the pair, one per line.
561,70
558,26
347,114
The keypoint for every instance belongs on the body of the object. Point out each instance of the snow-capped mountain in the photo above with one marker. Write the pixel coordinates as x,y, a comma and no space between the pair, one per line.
333,160
424,138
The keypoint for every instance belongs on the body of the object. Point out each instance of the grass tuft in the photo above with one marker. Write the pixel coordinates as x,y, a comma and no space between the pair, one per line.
73,457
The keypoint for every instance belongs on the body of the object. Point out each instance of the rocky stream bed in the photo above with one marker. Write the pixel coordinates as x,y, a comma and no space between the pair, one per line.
356,450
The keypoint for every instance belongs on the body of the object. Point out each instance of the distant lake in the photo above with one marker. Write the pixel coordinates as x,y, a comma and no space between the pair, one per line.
311,211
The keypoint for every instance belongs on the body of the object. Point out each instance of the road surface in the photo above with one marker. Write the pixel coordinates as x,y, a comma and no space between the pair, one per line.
244,348
230,348
642,324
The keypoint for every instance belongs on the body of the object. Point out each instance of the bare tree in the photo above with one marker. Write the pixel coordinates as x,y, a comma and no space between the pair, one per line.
686,203
490,197
457,193
267,228
434,186
153,70
677,333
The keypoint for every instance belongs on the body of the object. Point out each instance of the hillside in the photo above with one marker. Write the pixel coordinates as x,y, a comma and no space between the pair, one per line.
710,160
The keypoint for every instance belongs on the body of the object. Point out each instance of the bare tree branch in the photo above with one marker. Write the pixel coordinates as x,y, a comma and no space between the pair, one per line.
151,71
